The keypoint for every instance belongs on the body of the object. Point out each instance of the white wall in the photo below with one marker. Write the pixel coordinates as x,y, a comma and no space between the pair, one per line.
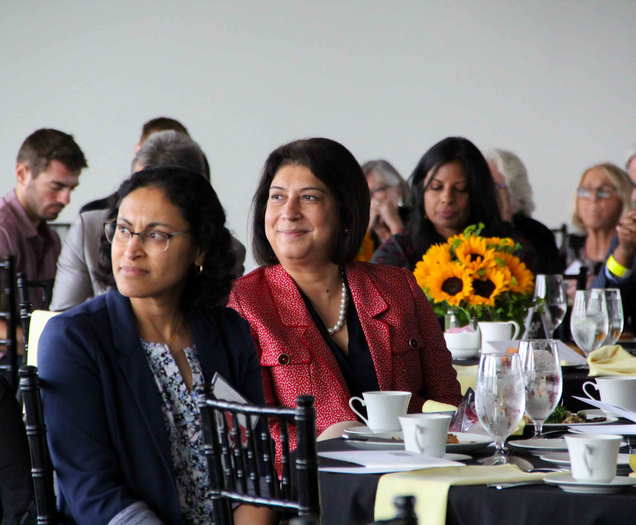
553,81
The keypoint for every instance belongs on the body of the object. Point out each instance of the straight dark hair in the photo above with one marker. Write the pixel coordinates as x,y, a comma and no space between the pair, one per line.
337,168
45,145
200,207
481,189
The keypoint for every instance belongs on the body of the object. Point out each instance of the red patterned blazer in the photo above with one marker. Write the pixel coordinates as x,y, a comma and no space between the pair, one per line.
404,337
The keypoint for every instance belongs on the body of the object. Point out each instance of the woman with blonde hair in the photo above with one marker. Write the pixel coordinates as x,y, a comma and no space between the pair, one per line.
602,199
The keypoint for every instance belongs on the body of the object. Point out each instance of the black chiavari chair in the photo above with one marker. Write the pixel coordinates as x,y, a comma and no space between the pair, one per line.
405,507
10,316
241,459
24,285
41,466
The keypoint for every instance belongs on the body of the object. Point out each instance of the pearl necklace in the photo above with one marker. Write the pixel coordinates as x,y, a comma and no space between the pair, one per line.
344,299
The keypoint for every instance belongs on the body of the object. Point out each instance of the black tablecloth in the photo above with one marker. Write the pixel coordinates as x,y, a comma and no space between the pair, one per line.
348,499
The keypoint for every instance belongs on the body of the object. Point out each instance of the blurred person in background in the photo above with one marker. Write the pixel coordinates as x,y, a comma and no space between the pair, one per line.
603,197
75,282
516,205
452,188
389,205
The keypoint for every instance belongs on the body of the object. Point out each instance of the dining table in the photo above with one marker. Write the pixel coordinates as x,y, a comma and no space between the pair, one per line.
349,499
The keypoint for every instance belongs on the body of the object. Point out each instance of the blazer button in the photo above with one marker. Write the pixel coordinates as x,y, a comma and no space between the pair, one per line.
413,343
283,359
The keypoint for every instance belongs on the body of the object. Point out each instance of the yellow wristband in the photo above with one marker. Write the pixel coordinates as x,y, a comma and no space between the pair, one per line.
617,269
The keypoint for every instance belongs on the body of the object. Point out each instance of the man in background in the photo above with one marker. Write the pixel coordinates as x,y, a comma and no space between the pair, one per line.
47,170
74,283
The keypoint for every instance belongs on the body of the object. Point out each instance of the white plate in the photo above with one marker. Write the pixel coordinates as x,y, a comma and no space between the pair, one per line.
563,458
539,445
569,484
592,413
468,442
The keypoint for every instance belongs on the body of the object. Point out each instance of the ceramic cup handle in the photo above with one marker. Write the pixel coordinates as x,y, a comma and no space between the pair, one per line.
366,422
419,431
594,385
517,329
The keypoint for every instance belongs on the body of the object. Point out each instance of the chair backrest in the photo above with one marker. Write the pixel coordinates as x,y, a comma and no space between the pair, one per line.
560,234
241,459
405,507
26,307
41,466
10,316
580,278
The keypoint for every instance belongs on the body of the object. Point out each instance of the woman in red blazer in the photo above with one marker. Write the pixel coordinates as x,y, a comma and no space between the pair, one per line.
322,323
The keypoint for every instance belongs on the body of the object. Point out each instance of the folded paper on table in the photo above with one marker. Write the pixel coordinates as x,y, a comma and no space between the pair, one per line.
467,376
436,406
567,354
430,488
38,321
399,459
611,360
608,407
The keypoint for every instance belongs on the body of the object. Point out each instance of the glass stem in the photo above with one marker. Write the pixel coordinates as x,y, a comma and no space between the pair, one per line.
538,427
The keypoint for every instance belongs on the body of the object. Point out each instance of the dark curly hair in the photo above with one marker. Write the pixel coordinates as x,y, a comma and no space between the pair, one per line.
337,168
200,207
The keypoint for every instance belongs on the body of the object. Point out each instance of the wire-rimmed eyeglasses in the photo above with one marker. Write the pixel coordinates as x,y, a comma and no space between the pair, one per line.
152,240
604,192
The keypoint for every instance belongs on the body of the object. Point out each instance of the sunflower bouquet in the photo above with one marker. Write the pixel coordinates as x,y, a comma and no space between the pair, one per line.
476,277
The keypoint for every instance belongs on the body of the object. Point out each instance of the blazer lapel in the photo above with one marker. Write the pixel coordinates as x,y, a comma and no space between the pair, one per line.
133,363
371,305
293,314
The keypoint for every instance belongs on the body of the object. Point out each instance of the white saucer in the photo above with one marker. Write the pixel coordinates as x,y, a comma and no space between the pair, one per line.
569,484
365,431
539,445
563,458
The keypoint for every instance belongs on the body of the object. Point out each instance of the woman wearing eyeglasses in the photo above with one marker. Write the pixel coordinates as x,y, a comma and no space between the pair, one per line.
120,372
602,198
389,205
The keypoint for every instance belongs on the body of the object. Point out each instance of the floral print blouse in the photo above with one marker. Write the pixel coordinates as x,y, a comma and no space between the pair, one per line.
183,421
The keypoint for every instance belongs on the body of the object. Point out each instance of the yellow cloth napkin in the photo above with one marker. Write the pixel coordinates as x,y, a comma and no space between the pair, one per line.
467,376
611,360
430,487
39,318
436,406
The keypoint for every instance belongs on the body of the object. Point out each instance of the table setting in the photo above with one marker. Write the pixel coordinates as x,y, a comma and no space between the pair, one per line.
542,463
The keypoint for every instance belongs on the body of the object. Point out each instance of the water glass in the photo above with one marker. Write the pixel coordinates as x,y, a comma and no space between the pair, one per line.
499,399
551,289
614,315
589,322
543,380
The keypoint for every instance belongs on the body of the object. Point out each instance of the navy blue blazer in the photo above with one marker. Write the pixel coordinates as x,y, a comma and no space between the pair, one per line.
108,439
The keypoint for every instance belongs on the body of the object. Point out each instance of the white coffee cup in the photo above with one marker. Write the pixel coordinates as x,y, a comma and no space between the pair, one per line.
425,433
617,390
593,457
496,331
383,409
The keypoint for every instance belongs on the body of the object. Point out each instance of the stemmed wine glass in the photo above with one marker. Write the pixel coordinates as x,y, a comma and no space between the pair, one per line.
589,321
543,380
500,399
614,315
551,289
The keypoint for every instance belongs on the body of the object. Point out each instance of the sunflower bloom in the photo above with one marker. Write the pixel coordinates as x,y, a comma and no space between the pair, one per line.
474,255
449,283
486,289
523,280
